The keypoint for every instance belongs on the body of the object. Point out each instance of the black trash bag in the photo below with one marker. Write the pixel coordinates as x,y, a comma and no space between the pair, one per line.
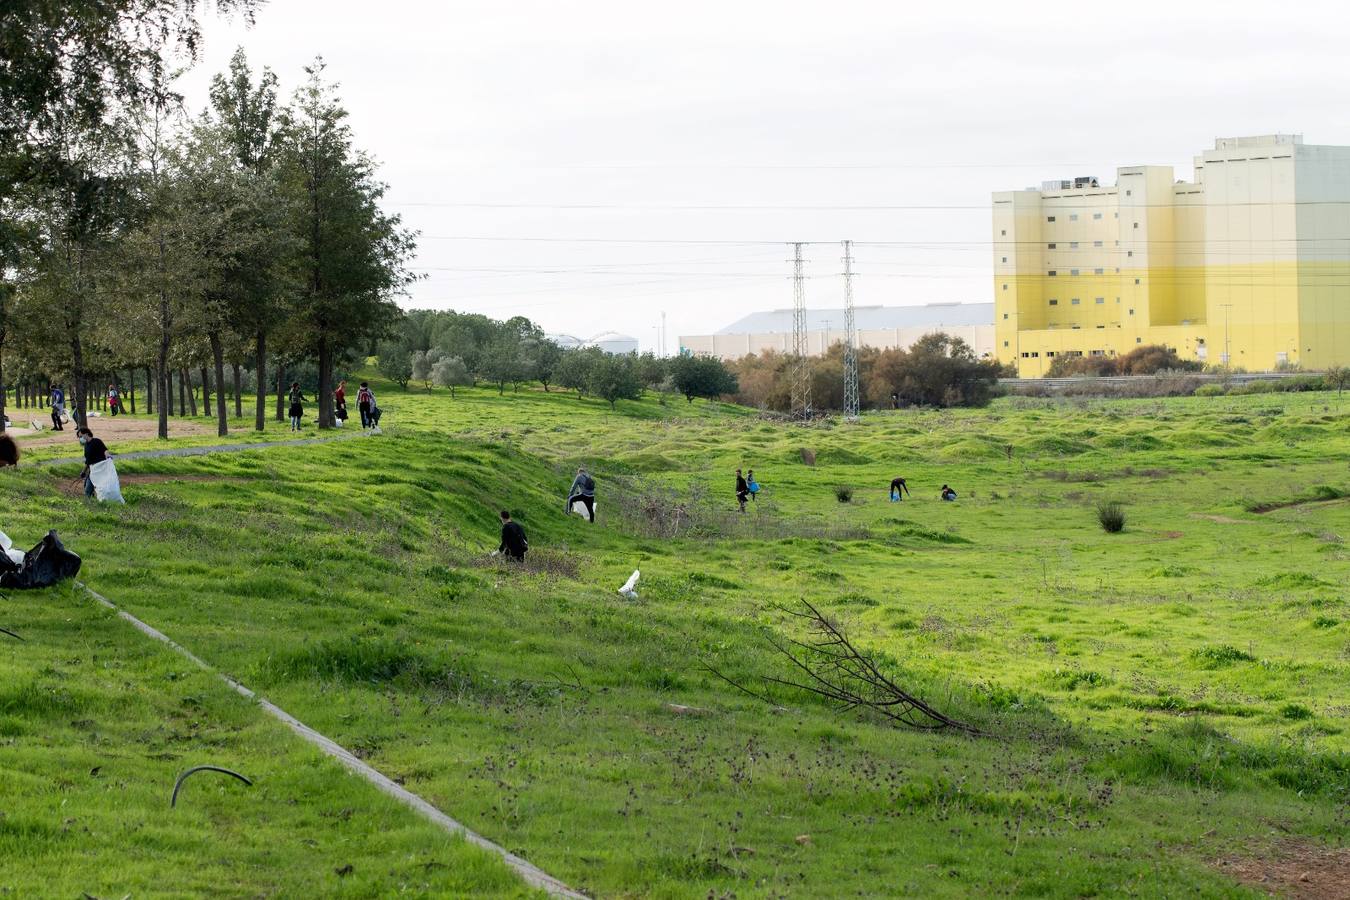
45,565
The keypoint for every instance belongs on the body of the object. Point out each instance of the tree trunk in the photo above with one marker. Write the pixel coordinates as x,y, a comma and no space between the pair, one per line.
218,352
182,392
149,391
260,350
325,383
281,392
238,386
206,393
77,370
131,388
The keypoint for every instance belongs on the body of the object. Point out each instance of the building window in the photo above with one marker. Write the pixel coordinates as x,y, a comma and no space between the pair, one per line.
1097,271
1005,259
1116,215
1005,287
1076,327
1049,218
1026,355
1073,245
1004,232
1096,215
1049,353
1136,281
1101,326
1049,246
1096,353
1052,273
1035,354
1073,217
1073,271
1005,343
1054,303
1131,312
1138,340
1074,301
1005,315
1100,301
1129,253
1127,193
1096,243
1136,225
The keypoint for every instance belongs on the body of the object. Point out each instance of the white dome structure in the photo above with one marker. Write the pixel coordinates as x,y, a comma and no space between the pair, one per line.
613,342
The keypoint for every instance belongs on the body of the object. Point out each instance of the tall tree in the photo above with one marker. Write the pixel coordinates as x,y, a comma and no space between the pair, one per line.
248,117
353,257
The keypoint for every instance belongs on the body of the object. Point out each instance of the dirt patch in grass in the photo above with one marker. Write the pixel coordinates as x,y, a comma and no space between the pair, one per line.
1294,868
1222,520
113,430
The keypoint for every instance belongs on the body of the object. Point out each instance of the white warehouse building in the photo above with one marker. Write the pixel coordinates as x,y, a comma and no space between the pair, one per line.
882,327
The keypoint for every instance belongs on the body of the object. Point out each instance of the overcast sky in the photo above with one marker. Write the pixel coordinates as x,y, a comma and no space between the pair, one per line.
593,164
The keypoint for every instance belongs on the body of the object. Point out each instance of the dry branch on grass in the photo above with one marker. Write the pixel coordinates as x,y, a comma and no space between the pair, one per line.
830,666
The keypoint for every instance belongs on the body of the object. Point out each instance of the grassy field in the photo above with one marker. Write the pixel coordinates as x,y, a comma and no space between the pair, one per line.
1164,705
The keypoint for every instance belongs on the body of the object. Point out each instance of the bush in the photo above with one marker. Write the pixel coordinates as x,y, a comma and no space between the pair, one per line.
843,493
1210,390
1111,515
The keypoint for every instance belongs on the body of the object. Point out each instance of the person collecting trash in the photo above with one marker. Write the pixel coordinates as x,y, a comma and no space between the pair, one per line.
751,483
898,489
742,490
297,410
114,400
95,452
58,401
514,544
340,403
948,494
583,492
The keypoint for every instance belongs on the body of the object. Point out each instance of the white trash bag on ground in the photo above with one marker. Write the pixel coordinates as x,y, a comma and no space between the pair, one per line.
629,588
7,547
106,486
579,508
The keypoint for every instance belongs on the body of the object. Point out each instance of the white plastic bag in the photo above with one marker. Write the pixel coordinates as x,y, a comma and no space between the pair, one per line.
629,588
106,486
7,546
579,508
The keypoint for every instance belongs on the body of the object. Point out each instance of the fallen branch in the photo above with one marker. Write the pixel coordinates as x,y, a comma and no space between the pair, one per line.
11,634
181,778
831,667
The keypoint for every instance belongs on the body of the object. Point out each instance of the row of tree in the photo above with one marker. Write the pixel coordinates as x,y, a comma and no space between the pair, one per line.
938,370
136,237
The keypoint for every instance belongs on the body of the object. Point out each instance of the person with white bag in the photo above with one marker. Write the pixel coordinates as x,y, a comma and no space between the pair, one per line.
100,475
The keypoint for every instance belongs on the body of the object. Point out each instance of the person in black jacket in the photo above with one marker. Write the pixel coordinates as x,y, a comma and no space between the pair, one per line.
513,543
95,451
742,490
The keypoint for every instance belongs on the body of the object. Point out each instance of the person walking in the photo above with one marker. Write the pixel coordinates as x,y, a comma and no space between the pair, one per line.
898,489
340,402
58,401
365,399
95,451
583,490
751,483
114,400
514,543
742,490
297,410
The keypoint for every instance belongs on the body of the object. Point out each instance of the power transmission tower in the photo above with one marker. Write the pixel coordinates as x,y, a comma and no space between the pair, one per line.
851,340
801,369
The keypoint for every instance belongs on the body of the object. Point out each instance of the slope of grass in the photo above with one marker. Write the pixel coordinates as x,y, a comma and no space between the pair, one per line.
1158,695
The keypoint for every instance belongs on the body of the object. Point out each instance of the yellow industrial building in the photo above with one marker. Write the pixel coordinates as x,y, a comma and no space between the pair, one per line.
1248,265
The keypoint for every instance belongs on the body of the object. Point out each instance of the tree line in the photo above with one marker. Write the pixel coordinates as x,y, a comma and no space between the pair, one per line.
137,237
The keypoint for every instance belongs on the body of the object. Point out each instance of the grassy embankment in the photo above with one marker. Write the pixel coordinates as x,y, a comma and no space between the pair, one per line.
1161,697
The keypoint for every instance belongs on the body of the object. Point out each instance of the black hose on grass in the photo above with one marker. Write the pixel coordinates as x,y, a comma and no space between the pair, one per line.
181,778
11,634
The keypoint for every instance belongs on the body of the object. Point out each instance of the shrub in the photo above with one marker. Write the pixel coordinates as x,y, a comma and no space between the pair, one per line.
1111,515
1222,655
1210,390
843,493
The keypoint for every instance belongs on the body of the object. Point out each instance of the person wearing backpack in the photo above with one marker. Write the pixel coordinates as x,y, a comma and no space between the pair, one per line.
114,400
514,543
58,401
583,489
297,410
365,399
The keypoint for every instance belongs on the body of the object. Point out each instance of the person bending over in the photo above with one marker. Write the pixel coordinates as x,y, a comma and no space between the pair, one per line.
513,542
583,489
948,494
898,489
9,451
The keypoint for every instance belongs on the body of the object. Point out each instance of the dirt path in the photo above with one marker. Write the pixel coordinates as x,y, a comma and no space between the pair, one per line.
113,428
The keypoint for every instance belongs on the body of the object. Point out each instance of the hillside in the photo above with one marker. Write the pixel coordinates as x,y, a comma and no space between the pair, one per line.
1158,701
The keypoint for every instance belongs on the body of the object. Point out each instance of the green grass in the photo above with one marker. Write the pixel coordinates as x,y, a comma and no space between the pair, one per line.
1159,696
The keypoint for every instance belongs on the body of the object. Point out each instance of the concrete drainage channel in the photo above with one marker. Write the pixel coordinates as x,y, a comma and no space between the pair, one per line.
530,873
